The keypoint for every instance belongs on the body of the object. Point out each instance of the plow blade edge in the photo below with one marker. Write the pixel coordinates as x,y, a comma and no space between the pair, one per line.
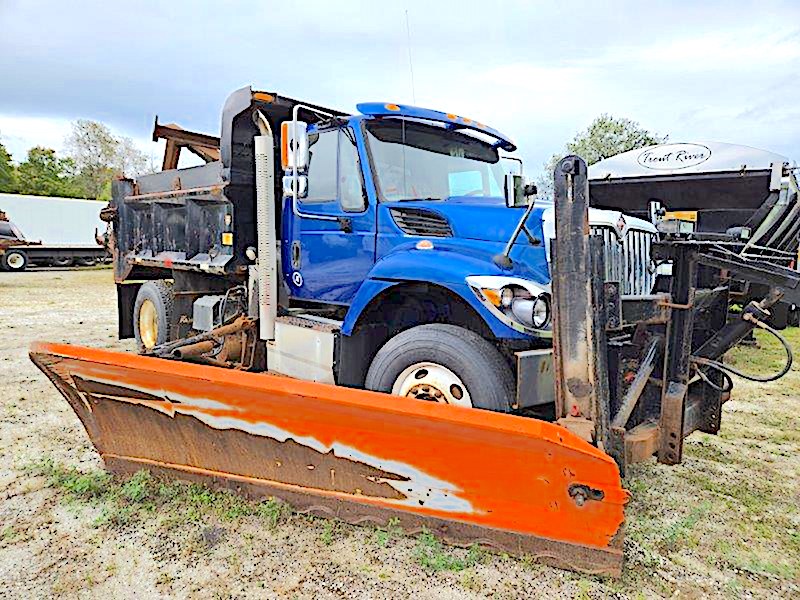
520,485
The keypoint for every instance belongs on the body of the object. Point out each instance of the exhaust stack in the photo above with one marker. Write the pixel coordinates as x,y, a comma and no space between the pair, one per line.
265,229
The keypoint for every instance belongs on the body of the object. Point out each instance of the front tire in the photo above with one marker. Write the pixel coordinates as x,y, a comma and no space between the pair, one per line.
152,314
15,260
443,363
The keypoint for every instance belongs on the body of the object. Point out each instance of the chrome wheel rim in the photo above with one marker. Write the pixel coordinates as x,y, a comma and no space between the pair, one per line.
432,382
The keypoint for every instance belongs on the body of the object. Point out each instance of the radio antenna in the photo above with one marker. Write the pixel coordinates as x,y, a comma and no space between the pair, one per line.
410,62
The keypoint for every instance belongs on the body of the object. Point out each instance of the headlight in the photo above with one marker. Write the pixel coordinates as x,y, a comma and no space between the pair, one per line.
521,304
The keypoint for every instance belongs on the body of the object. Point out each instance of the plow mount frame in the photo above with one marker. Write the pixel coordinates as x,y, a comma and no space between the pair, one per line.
629,369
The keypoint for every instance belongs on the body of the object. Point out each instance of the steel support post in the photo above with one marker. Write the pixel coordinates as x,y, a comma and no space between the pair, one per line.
579,352
677,352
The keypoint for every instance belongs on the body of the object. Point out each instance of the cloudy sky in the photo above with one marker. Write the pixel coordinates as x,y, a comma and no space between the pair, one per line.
538,71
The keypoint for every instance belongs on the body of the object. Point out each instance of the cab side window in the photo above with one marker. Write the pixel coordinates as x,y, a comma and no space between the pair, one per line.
322,167
334,172
351,194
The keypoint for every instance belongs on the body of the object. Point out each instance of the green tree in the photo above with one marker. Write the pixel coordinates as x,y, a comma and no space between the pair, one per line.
98,155
45,174
8,174
606,136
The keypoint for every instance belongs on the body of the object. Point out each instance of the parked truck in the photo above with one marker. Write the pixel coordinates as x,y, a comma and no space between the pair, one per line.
321,310
68,231
383,239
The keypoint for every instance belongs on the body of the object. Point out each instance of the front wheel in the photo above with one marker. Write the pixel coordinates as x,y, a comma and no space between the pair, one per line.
15,260
443,363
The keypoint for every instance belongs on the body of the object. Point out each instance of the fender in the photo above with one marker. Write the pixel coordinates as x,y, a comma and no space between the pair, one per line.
440,266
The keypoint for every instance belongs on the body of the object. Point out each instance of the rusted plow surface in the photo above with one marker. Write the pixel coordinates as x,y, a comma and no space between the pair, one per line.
516,484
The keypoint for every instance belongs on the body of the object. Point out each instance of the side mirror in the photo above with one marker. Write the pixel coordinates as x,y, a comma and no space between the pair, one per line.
294,145
288,186
517,191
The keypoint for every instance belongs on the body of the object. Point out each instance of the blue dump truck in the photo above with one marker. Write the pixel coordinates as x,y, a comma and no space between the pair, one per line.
390,250
387,249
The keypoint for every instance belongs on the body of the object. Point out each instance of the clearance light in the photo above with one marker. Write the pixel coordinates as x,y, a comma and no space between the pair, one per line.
285,144
392,107
263,97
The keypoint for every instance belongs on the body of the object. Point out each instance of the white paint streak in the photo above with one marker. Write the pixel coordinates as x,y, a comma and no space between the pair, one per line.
421,489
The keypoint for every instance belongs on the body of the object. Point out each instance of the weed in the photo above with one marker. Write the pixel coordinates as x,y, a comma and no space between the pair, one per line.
8,533
139,487
328,529
583,590
123,500
470,581
89,485
393,530
431,554
273,511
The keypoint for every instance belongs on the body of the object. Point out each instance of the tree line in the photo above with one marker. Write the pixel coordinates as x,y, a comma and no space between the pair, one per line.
93,156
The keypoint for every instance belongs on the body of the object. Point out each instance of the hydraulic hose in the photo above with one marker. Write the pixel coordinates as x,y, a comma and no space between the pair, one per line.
725,369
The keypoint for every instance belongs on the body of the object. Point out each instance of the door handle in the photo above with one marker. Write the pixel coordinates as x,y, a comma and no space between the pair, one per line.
345,224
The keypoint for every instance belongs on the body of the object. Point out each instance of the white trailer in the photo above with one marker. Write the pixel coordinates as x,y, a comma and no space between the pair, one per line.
49,231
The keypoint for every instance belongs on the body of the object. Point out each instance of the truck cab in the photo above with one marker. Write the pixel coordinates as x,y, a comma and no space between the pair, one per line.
386,249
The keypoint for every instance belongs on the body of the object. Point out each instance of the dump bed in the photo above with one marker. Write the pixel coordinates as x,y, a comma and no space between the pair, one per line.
198,218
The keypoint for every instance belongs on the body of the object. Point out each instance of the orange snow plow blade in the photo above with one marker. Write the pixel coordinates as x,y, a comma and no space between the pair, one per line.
520,485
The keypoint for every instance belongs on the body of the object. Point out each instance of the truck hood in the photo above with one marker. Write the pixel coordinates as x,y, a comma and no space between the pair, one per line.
485,219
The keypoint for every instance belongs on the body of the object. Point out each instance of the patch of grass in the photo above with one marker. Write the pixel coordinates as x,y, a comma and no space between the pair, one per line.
680,532
328,529
273,511
92,485
430,554
768,357
124,501
393,530
583,590
753,495
8,534
471,581
745,557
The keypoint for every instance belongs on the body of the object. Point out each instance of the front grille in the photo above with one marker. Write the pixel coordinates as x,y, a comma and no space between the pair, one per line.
419,221
628,262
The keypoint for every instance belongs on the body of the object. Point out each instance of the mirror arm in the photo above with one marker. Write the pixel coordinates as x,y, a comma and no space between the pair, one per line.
504,260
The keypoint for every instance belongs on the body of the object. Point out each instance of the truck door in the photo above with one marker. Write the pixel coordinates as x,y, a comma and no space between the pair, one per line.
331,245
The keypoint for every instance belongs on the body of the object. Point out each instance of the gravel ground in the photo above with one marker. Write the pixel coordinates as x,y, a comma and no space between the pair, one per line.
723,524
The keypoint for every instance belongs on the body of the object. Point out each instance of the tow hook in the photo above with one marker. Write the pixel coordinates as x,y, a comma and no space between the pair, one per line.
581,493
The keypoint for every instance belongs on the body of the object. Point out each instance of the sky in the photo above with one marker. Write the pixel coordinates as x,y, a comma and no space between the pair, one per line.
537,71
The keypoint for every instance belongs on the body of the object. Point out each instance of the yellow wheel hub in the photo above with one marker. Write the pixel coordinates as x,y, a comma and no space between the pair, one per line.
148,324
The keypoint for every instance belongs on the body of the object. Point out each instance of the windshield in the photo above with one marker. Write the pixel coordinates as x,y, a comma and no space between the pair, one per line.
413,161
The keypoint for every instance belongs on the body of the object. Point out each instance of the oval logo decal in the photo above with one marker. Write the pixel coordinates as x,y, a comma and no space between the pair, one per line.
674,156
297,279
